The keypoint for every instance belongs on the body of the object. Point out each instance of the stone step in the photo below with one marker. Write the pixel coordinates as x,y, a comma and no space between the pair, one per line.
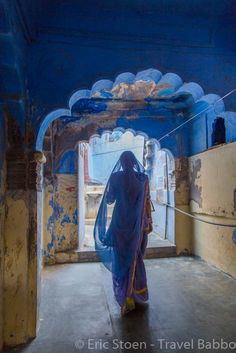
90,255
160,251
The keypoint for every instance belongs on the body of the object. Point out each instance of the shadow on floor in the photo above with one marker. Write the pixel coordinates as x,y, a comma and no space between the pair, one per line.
190,303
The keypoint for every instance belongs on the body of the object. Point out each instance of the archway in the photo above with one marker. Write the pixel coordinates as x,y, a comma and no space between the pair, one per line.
148,102
96,159
147,89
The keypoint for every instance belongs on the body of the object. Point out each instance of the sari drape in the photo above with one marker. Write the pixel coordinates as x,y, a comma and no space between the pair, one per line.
121,244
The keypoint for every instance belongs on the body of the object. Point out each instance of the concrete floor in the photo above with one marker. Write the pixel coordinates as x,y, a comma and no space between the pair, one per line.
188,300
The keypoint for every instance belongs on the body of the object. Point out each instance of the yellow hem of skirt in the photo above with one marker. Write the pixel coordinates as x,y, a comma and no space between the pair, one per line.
139,291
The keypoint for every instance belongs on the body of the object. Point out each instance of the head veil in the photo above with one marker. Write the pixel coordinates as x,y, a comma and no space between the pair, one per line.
117,235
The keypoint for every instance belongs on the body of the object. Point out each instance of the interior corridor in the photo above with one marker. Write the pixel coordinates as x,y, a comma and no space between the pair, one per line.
188,300
82,81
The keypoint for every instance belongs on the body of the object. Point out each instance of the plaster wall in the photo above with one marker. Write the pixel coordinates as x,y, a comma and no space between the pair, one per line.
66,222
123,37
48,223
2,218
183,225
212,196
21,278
16,269
60,216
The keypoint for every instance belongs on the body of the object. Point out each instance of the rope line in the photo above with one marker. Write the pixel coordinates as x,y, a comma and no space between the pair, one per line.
197,218
193,117
175,129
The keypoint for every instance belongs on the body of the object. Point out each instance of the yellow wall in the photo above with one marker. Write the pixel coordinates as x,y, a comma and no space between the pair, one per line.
21,282
183,224
2,218
66,223
16,270
213,197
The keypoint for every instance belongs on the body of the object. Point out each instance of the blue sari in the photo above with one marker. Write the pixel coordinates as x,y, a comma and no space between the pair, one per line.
121,244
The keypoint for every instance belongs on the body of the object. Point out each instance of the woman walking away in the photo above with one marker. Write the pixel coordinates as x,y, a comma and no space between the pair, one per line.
121,245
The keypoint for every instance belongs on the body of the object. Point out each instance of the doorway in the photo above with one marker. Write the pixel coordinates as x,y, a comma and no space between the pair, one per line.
96,159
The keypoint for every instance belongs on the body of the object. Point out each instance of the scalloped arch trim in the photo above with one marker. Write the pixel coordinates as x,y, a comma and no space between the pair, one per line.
150,83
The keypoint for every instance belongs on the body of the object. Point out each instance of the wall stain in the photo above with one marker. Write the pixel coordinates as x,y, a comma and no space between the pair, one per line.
235,200
181,171
195,190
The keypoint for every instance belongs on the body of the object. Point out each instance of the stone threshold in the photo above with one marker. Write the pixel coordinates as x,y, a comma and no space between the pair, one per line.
76,256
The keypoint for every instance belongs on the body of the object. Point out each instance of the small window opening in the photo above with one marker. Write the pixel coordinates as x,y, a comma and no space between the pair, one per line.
218,132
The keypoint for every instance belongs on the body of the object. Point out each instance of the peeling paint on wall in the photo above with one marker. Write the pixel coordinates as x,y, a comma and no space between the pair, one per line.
15,275
60,233
182,182
66,224
2,222
215,173
234,200
195,188
48,222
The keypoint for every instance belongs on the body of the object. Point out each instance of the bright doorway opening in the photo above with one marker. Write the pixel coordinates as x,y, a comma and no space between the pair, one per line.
96,160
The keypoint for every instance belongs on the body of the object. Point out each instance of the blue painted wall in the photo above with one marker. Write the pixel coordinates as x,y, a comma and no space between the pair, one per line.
76,47
67,163
2,142
53,48
16,35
